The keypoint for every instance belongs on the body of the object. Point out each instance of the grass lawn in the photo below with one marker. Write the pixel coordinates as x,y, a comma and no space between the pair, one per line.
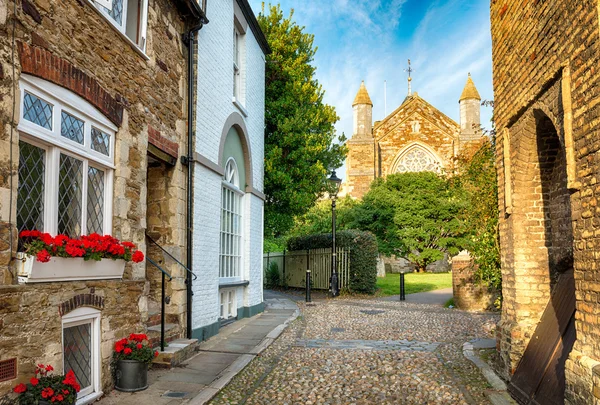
414,283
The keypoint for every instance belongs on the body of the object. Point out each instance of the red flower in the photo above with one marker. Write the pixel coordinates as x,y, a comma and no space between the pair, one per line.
24,234
59,397
137,256
19,389
127,351
138,337
47,392
139,345
128,245
46,238
43,256
66,391
116,249
156,353
34,381
60,240
49,368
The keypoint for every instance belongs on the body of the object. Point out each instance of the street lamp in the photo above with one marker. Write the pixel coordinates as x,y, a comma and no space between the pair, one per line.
334,183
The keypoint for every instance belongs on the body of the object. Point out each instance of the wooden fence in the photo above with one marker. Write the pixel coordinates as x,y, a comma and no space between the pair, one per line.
292,267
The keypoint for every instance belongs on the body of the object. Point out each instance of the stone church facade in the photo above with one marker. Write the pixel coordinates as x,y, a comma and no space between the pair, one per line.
546,93
415,137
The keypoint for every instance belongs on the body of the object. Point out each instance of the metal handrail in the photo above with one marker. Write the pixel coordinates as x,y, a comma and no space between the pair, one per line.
172,257
162,301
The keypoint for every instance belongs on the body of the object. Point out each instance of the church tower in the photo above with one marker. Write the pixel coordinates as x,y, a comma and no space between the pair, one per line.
360,161
470,105
363,113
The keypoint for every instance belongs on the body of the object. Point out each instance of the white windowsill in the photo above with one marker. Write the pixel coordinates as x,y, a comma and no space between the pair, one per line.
116,29
239,106
89,398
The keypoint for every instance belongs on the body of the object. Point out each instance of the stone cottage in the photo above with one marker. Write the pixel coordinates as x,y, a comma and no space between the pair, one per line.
93,114
228,168
547,93
415,137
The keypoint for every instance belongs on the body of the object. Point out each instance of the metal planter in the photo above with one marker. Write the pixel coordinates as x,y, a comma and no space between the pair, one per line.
131,375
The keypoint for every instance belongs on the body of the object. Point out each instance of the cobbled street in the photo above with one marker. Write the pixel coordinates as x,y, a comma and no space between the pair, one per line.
353,351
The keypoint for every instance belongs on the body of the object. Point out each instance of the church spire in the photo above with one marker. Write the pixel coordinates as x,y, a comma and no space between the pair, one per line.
409,70
470,91
362,97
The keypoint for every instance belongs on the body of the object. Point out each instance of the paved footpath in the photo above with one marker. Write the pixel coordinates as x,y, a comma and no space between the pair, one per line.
355,351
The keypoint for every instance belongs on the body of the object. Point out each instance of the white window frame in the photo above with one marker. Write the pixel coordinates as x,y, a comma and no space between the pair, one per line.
237,63
54,144
81,316
122,28
230,185
227,304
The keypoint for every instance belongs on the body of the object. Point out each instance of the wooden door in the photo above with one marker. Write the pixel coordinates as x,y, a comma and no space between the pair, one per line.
540,375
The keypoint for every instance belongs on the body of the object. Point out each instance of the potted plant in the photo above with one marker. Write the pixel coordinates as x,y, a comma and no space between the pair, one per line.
130,361
45,388
60,258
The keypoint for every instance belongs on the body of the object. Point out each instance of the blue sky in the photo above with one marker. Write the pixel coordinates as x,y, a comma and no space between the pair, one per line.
372,40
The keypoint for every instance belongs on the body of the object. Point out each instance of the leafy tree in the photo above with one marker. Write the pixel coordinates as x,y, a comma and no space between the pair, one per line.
318,218
414,216
477,178
301,145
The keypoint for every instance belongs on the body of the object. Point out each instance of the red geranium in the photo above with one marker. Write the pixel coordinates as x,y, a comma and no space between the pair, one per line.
34,381
136,347
137,256
43,256
47,392
19,389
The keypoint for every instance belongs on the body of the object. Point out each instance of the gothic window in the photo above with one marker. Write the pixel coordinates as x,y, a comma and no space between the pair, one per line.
418,159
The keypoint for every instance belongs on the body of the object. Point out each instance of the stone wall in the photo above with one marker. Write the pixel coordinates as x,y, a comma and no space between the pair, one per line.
31,322
468,293
546,88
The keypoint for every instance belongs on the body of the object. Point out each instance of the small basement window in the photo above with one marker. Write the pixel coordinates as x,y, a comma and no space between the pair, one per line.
81,350
130,17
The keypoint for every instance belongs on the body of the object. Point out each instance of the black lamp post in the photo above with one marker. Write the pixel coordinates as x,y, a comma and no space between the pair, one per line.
335,183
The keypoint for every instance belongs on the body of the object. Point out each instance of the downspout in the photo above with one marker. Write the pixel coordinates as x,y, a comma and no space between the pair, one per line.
188,160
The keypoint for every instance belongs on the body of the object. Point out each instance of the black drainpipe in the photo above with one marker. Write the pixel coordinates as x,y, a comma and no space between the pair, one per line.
188,160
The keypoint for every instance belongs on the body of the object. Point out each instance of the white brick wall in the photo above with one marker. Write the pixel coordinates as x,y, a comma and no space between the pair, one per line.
214,105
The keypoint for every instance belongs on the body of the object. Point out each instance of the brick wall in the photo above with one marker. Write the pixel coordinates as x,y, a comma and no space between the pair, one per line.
468,294
545,58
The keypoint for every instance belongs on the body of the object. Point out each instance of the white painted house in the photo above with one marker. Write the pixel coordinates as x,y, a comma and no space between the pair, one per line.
228,173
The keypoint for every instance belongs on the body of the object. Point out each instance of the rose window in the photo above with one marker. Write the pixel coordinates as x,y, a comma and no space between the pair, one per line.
418,160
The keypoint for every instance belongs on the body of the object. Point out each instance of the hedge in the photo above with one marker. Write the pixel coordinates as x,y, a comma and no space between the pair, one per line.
363,255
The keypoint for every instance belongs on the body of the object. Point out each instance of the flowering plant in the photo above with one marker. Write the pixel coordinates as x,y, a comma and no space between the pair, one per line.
54,388
136,347
90,247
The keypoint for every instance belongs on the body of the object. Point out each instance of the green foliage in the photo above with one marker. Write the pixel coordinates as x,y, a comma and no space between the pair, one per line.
477,177
300,138
318,217
272,277
272,244
414,283
414,216
363,255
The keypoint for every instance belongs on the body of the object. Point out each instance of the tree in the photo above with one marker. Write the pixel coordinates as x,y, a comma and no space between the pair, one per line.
414,216
300,138
318,218
477,178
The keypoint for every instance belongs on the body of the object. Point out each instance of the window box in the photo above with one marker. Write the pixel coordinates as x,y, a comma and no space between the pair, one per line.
67,269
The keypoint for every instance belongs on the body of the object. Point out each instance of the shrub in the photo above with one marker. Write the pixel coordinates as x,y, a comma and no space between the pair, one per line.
363,255
272,277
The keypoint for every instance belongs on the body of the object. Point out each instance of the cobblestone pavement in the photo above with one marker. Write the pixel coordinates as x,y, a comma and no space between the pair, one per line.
354,351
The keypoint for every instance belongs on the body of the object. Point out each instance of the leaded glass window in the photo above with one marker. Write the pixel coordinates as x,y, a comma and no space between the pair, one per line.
65,170
100,141
37,111
77,351
231,224
418,159
71,127
70,193
116,12
30,194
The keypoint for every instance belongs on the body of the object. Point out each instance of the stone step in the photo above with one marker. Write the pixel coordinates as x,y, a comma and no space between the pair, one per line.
178,351
172,332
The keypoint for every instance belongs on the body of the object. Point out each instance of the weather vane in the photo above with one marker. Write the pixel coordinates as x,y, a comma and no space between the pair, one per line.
409,70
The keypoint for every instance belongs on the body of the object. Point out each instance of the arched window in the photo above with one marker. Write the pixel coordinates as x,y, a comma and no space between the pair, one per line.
66,160
417,159
231,223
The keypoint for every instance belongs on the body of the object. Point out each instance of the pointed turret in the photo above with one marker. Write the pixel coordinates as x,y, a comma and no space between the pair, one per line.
363,113
362,97
470,100
470,91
